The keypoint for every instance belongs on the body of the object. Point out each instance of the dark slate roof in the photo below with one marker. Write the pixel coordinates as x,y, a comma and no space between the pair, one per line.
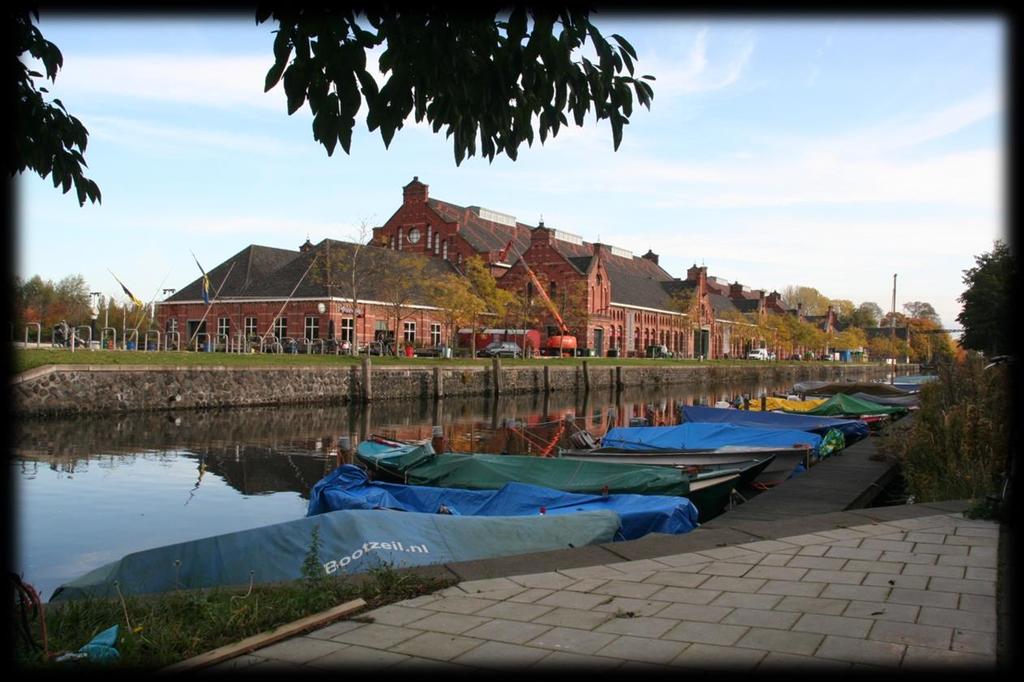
262,280
746,305
635,281
721,304
252,265
482,234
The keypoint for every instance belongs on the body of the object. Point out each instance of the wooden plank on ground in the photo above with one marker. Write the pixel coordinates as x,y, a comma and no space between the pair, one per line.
265,638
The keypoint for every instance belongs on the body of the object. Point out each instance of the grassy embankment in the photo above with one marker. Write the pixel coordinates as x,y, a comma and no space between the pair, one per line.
157,631
30,358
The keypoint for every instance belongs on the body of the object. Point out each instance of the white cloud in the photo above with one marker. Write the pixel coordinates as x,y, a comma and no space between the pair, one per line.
695,72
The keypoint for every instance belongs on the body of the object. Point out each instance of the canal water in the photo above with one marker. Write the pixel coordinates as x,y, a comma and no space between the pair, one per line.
87,491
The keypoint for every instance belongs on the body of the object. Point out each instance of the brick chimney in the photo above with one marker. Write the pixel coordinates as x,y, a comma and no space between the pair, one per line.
693,274
541,234
415,192
735,290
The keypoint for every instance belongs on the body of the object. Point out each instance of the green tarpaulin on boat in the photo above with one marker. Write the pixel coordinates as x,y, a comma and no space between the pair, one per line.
413,465
846,405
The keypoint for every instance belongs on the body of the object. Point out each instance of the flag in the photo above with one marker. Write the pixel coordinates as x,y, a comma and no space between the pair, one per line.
137,302
206,282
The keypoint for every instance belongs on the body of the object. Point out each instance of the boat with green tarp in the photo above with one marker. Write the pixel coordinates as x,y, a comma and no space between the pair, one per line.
708,489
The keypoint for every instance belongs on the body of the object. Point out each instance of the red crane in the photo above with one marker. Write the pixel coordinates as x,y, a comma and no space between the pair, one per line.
565,343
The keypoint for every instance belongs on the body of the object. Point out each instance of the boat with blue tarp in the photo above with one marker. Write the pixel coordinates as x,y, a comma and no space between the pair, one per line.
350,541
348,487
853,430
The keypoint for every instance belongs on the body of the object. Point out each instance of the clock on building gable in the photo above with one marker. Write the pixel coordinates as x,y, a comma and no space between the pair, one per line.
414,235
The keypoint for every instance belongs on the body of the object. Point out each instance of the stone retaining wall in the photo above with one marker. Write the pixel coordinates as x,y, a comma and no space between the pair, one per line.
90,389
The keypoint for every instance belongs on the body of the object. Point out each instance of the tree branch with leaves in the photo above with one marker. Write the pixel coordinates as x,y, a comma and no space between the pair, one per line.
482,73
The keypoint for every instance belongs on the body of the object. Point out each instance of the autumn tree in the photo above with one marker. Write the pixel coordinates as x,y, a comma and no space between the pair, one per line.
809,299
484,286
399,285
866,315
457,304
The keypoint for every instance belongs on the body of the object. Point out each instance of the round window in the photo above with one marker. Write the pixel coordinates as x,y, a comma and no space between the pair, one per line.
414,235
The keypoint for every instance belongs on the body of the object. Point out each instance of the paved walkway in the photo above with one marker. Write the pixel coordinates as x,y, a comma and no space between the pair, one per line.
904,593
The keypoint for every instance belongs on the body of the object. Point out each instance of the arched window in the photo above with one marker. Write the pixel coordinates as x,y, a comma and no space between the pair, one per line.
400,239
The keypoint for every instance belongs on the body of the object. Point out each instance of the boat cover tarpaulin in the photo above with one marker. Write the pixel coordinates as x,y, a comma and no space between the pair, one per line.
350,542
697,436
788,404
489,472
393,457
852,429
844,405
908,401
348,487
848,387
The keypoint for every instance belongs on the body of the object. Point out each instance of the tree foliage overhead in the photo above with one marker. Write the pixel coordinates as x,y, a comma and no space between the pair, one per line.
480,73
985,316
47,139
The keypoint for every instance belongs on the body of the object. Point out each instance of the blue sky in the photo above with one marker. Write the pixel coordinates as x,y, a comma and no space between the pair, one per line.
829,152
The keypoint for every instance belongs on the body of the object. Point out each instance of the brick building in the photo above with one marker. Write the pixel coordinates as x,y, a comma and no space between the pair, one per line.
610,299
265,295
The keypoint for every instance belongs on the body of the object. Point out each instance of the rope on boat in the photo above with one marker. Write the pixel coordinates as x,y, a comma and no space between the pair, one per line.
27,595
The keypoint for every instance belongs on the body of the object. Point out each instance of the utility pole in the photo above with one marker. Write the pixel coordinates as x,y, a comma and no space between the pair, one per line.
892,332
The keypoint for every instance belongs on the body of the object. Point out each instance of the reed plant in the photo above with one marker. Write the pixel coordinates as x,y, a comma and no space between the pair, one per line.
956,446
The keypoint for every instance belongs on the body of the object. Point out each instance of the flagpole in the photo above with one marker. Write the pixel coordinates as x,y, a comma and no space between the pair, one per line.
155,294
294,289
208,307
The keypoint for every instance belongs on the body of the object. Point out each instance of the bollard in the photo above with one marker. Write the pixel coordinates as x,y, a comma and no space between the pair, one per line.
344,450
437,439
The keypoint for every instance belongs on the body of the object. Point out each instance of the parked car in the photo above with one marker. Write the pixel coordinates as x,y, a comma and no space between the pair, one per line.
760,354
502,349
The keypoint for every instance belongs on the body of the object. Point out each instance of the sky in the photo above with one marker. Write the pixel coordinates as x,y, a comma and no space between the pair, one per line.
822,151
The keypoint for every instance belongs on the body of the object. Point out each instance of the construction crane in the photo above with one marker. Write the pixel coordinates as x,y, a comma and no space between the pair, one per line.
564,343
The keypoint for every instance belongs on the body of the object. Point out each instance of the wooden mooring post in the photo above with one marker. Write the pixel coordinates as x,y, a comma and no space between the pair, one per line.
367,378
496,369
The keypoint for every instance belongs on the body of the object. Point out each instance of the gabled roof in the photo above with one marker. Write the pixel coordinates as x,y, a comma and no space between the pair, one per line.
721,304
483,234
251,266
263,280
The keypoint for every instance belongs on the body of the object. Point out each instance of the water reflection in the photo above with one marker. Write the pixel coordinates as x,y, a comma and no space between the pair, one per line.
90,489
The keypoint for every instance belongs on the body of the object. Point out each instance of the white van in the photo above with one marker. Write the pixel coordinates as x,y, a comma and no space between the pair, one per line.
758,354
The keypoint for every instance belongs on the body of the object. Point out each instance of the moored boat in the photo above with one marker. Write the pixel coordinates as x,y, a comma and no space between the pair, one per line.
350,541
348,487
852,429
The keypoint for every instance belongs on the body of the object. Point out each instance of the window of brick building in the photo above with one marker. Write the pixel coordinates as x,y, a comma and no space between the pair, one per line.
312,330
410,332
223,326
435,334
281,327
348,329
250,326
